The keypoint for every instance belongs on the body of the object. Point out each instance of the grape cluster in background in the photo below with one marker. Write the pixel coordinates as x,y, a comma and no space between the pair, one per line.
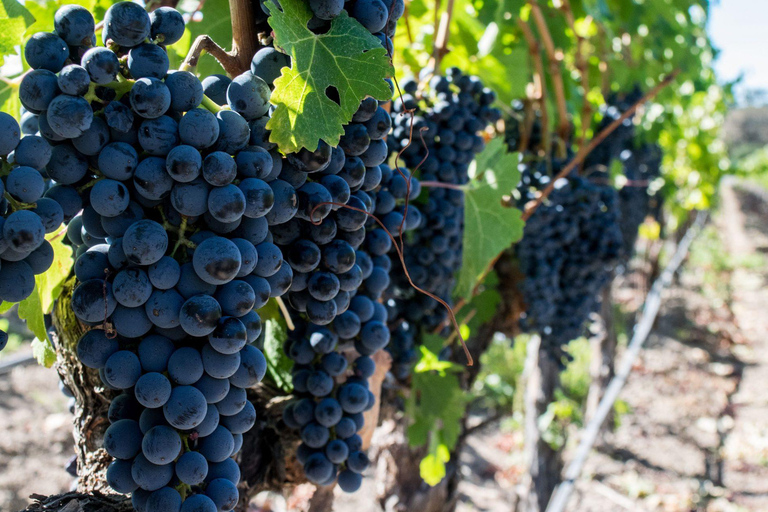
575,240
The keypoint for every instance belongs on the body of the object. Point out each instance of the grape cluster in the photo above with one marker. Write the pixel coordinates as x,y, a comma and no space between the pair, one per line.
451,119
169,200
341,269
331,399
569,247
640,166
27,211
640,162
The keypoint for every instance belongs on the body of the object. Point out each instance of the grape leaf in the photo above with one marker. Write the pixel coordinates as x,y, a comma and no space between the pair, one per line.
51,281
279,365
489,226
43,352
435,408
48,287
347,58
14,20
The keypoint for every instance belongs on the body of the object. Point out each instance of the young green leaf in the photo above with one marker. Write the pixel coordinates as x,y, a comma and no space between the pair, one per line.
435,408
432,466
489,226
279,365
329,75
43,352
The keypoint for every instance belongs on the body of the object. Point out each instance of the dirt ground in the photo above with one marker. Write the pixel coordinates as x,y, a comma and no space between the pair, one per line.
695,437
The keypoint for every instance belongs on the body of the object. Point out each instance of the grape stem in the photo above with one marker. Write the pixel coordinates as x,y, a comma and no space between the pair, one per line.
16,205
245,42
286,314
440,48
182,240
121,87
210,105
440,184
89,184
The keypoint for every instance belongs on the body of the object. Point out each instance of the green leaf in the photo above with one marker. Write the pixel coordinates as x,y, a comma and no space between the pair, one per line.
6,306
9,98
490,227
43,351
14,20
50,282
435,409
31,311
347,58
279,365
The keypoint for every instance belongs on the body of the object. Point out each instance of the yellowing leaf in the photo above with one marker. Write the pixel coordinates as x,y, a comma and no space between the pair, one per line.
490,227
432,467
347,58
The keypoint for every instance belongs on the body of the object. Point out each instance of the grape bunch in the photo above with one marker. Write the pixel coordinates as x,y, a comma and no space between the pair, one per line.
640,166
640,163
451,119
330,398
28,212
341,269
169,199
568,250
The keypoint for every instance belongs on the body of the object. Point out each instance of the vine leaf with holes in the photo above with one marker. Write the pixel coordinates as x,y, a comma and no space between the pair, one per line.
48,287
347,62
490,227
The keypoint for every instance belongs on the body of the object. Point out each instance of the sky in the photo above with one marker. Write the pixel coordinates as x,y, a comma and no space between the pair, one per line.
739,29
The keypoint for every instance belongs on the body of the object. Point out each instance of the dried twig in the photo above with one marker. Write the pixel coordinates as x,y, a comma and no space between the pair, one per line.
538,79
582,67
554,56
442,35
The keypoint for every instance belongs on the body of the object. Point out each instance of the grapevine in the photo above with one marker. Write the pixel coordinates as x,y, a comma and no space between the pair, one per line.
245,245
